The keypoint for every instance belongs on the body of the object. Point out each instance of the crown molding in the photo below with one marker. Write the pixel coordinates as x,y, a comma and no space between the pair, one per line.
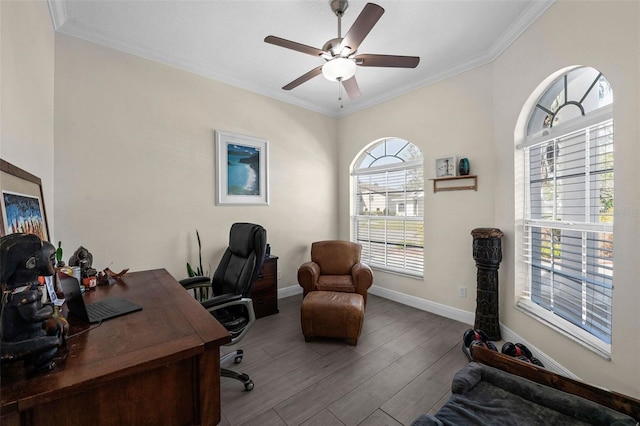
58,10
67,26
518,27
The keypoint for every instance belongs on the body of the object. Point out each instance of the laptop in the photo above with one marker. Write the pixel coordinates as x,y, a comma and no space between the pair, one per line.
93,312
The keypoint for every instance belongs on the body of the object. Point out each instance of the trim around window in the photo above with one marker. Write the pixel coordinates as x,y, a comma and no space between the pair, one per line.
564,327
387,206
401,272
564,175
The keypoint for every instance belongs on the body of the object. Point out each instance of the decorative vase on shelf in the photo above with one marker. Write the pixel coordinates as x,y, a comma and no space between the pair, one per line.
463,167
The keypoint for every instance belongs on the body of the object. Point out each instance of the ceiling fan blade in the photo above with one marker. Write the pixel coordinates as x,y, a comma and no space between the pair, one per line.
288,44
362,25
367,60
351,87
304,77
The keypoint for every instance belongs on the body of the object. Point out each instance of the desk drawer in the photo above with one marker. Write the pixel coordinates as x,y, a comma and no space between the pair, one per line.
269,268
267,278
265,290
264,303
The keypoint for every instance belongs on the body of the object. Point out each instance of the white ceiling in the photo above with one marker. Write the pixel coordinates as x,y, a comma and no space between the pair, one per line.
223,40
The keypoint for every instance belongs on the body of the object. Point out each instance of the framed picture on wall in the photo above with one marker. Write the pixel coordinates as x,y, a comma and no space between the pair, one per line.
447,166
242,169
22,202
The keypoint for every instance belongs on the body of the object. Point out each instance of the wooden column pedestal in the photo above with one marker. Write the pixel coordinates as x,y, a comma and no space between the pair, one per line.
487,252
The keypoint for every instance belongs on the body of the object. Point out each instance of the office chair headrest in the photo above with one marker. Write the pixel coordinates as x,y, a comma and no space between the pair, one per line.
239,244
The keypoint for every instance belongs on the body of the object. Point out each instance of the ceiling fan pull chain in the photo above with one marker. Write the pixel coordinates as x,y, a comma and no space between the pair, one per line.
340,93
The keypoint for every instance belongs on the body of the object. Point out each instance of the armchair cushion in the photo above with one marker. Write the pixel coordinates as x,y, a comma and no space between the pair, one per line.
342,283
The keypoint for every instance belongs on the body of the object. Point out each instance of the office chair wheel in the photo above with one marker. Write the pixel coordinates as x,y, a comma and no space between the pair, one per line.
244,378
238,358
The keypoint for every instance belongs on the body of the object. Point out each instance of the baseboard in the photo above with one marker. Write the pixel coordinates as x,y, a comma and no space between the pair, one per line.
289,291
423,304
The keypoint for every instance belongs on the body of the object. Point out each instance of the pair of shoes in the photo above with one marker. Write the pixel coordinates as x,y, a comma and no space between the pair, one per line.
472,338
521,352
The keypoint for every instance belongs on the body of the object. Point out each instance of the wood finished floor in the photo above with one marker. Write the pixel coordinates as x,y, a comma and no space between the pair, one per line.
402,367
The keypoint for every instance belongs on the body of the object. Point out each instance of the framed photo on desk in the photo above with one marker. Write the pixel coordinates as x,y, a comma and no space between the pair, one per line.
21,202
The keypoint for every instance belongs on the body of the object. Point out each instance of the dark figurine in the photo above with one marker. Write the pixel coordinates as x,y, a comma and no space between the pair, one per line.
84,259
24,257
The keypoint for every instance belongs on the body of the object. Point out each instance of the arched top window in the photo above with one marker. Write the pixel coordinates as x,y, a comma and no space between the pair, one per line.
386,152
388,206
568,207
576,93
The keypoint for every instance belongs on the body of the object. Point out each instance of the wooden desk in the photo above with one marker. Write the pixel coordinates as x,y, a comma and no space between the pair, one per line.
157,366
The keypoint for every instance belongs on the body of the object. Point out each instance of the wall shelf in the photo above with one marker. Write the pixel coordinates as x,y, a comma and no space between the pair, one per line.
439,187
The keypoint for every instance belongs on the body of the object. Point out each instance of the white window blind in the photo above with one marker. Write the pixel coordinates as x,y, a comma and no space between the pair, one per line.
568,227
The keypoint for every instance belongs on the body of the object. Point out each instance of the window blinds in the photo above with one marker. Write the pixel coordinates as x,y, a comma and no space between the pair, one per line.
388,219
568,226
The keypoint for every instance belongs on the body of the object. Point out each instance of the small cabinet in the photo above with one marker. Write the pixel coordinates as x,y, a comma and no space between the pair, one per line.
265,290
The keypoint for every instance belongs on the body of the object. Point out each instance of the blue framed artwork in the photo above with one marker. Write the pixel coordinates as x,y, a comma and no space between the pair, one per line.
21,203
242,174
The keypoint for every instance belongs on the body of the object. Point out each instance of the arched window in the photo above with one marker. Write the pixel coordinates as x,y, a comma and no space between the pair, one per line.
388,206
567,157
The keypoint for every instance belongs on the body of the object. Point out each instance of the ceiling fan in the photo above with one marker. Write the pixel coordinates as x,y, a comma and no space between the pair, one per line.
340,53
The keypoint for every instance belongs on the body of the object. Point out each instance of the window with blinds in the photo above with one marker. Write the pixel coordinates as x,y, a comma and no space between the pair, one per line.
387,210
569,208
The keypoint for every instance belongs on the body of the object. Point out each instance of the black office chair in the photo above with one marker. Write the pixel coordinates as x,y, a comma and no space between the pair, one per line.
227,296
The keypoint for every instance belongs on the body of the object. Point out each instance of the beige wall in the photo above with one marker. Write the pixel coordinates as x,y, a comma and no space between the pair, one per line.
135,170
26,91
474,114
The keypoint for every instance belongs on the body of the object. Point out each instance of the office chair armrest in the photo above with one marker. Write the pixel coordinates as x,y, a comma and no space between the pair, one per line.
308,274
227,300
199,287
218,302
194,282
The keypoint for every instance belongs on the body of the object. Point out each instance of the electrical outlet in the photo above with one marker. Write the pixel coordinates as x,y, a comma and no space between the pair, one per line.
462,292
279,275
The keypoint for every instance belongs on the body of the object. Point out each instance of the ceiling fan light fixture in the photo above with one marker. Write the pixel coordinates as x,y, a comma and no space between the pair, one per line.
339,69
340,52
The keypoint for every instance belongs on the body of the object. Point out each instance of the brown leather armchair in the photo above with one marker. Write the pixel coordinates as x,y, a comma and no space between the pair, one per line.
335,266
